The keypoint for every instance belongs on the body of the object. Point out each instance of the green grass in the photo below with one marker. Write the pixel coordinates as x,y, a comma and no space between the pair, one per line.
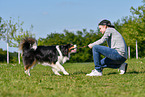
43,83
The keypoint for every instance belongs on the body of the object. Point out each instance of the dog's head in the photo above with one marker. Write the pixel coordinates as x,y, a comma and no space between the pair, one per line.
68,49
28,43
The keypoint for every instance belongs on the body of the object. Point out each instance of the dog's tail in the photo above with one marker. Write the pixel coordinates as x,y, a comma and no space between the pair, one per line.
27,43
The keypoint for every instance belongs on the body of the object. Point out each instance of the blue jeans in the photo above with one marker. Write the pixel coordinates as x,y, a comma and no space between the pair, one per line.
112,58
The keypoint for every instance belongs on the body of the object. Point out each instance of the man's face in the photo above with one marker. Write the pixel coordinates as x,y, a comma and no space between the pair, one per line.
102,28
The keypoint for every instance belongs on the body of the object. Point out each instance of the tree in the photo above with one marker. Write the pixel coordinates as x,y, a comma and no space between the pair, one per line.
7,32
132,29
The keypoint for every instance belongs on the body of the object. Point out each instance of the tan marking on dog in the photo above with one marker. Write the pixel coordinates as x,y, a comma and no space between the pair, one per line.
71,48
28,67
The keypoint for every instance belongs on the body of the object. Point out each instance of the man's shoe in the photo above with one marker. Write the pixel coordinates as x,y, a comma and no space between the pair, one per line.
123,68
94,73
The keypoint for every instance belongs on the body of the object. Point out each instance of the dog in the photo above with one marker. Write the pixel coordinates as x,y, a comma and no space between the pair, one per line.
53,56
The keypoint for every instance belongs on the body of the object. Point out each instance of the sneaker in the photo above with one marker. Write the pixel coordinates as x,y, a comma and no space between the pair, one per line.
123,68
94,73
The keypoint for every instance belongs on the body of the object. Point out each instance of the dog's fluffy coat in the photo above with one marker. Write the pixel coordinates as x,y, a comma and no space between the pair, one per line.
52,56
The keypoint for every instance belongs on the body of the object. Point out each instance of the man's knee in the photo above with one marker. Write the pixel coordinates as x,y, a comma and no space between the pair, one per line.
95,47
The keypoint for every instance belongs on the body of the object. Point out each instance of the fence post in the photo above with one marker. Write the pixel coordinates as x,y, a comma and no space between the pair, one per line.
19,56
7,53
129,52
136,50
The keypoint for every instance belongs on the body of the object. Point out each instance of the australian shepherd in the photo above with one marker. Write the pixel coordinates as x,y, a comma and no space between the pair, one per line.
53,56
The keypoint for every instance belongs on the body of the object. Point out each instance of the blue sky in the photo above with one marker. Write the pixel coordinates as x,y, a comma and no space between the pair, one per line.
50,16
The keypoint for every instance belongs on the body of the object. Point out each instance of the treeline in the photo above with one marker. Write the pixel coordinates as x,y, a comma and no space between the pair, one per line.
3,56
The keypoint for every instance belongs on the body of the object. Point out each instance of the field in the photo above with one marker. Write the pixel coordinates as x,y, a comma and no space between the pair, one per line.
43,83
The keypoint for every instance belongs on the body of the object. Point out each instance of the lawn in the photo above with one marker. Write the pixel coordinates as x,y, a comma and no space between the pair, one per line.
43,83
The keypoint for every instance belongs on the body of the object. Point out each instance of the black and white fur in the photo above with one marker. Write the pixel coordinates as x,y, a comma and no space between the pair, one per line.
52,56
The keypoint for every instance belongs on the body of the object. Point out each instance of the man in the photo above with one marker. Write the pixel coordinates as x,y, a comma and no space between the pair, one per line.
115,54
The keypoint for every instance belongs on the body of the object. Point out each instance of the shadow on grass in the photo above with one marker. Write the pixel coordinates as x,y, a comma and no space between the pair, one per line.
48,88
80,72
112,73
75,73
135,72
132,72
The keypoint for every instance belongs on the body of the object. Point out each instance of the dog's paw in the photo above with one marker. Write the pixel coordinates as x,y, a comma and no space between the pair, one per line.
58,74
66,73
27,73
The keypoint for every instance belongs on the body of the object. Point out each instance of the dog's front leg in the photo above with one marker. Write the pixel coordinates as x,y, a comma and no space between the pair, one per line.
61,68
53,66
55,71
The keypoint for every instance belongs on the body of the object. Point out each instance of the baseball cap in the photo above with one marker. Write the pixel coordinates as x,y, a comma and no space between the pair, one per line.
107,23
